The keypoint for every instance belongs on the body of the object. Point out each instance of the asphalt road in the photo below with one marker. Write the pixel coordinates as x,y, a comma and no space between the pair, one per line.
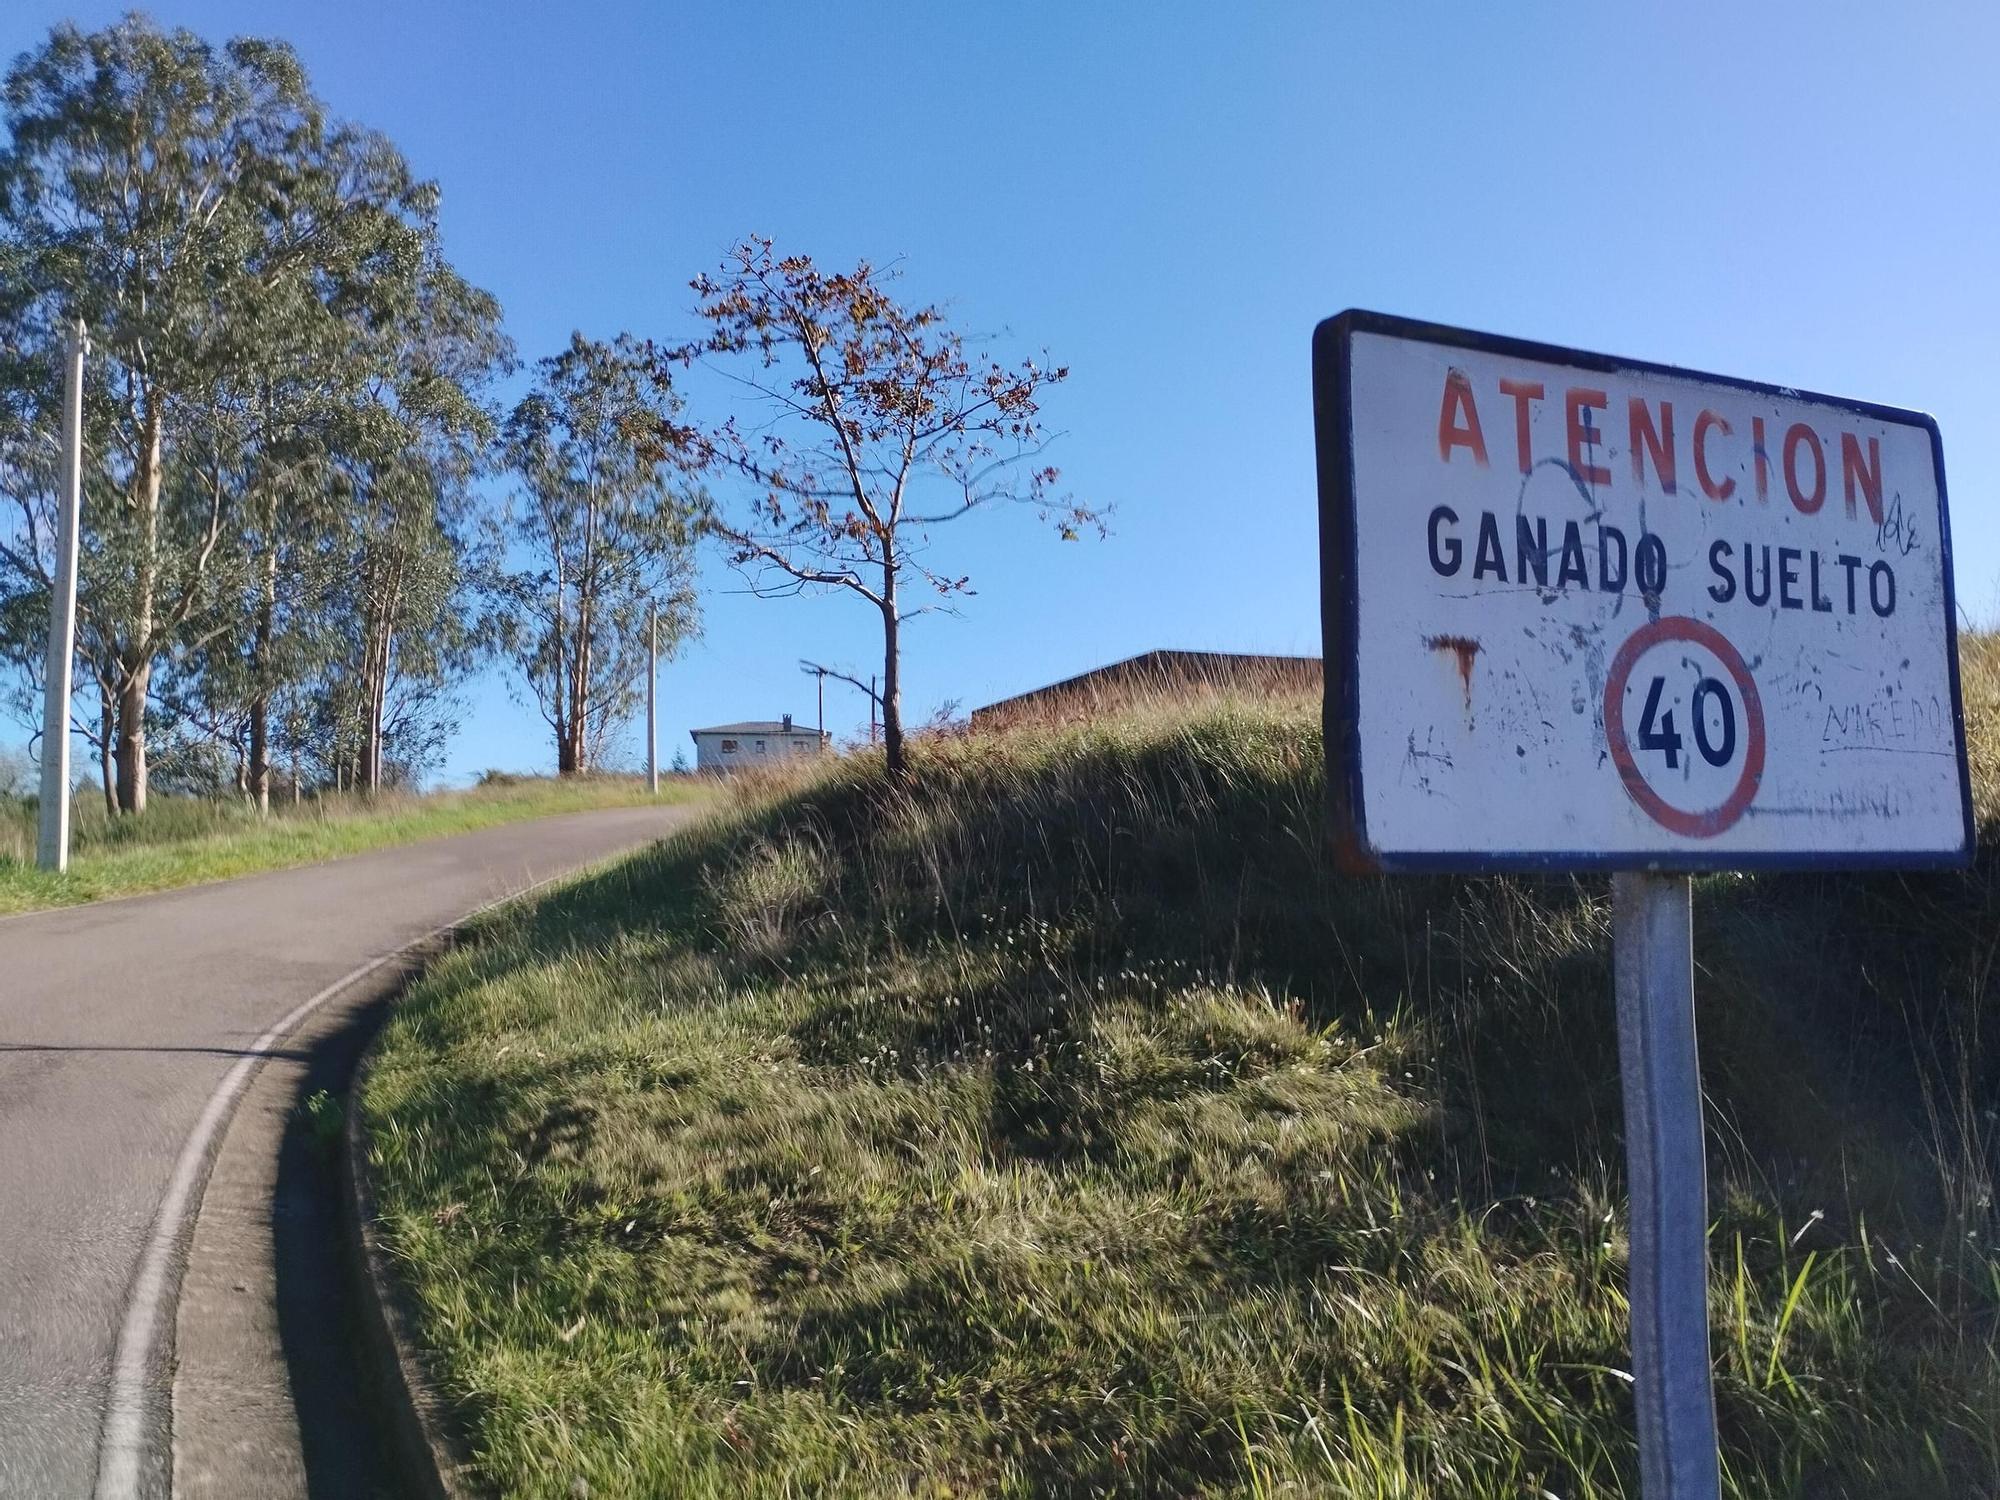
118,1022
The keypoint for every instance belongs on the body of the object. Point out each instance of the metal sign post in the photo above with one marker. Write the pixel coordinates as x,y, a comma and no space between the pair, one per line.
1585,613
1653,954
52,845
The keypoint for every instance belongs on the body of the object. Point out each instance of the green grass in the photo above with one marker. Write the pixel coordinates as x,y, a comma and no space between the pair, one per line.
1067,1126
184,840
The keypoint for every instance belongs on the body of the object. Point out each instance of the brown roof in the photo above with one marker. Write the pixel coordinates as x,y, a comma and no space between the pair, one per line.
1156,671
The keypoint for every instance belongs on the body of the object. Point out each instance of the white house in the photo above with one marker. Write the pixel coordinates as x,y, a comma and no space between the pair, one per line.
756,742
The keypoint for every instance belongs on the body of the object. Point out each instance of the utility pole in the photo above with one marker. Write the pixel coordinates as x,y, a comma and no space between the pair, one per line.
871,708
52,848
822,703
652,704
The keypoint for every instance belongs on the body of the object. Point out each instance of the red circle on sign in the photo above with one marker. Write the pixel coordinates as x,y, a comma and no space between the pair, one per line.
1694,825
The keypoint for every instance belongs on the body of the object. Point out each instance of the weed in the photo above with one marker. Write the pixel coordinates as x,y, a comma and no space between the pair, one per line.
325,1118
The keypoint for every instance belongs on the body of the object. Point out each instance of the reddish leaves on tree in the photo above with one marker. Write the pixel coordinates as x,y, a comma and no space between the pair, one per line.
871,422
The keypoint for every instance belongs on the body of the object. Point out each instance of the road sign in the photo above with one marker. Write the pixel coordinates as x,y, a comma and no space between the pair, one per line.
1588,613
1585,612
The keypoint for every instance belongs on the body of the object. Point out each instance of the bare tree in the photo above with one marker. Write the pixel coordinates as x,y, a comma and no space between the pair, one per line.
872,426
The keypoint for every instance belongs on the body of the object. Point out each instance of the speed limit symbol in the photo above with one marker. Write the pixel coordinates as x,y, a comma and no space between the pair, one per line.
1685,726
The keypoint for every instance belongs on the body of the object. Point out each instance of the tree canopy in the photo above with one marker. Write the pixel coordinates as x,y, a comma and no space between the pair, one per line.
602,532
284,404
306,519
872,425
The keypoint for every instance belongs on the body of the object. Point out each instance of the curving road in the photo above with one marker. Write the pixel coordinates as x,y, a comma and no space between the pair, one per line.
120,1025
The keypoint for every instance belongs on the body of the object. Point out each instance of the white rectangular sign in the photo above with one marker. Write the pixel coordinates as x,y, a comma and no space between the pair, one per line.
1589,613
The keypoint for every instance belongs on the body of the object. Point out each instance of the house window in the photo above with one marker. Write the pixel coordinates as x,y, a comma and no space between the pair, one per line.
729,747
760,747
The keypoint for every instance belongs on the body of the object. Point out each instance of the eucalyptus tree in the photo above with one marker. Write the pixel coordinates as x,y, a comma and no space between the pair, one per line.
365,528
253,274
600,535
126,193
408,614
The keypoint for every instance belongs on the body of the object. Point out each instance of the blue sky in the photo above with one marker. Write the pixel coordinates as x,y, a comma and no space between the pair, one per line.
1167,198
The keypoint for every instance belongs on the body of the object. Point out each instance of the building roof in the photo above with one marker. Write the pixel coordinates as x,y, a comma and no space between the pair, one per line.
1158,670
761,726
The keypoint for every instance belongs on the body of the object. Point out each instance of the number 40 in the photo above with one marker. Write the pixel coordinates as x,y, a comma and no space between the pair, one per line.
1657,732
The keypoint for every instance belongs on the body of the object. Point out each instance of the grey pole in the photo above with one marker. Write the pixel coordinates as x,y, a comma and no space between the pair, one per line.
652,707
52,847
1653,953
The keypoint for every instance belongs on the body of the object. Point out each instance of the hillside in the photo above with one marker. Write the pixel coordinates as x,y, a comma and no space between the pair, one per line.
1068,1126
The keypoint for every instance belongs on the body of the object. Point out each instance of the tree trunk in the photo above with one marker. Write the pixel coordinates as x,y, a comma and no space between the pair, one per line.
138,657
573,758
559,685
107,739
579,741
260,705
385,604
132,736
371,745
259,778
382,706
892,674
586,624
378,700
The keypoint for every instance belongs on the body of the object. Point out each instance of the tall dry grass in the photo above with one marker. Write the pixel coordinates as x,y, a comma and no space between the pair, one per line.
1063,1123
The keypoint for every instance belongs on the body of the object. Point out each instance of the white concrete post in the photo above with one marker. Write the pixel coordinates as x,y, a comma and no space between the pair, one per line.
52,847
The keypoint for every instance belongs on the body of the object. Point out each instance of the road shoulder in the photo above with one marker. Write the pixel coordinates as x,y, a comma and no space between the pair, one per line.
418,1426
270,1381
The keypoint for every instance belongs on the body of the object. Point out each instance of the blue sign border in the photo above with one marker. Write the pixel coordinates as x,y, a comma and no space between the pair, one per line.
1333,417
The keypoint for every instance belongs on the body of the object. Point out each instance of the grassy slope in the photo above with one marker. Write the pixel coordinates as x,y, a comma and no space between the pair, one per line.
1069,1127
183,841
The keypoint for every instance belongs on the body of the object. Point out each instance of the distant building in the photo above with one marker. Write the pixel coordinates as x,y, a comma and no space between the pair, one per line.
1154,674
755,742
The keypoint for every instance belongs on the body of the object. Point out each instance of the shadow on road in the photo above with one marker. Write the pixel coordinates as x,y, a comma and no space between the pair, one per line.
205,1051
346,1452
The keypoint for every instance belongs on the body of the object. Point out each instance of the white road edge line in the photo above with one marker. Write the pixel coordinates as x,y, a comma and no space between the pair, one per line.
121,1447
